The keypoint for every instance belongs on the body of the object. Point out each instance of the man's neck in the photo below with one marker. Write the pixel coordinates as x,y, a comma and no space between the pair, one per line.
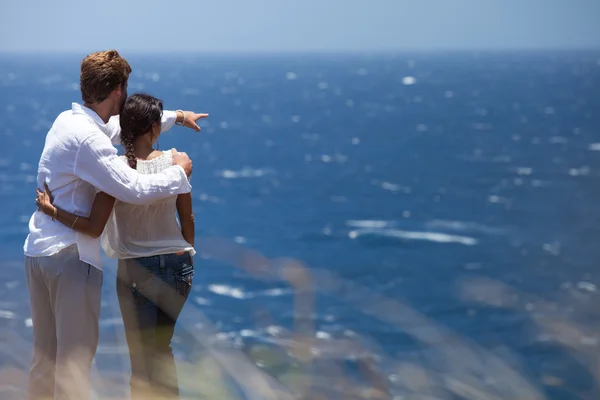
102,109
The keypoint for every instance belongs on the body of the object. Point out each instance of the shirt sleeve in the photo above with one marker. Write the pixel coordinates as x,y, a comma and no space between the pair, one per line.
98,164
113,127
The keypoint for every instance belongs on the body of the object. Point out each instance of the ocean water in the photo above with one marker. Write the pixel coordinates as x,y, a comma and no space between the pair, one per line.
443,205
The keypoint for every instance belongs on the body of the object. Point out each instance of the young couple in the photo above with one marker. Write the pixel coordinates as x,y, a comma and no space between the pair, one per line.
130,202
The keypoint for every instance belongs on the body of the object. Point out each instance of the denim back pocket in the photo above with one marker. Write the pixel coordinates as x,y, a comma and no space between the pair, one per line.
184,275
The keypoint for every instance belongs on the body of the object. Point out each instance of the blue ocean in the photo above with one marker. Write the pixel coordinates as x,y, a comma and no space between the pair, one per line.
429,223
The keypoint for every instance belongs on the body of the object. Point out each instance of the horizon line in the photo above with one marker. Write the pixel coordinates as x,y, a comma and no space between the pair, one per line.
302,51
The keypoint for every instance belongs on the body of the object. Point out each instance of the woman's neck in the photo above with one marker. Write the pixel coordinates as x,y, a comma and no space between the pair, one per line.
142,148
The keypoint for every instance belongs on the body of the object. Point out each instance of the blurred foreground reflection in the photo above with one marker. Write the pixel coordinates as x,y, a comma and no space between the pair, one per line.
301,364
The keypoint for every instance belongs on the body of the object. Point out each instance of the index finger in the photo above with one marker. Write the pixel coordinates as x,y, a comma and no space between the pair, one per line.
201,116
193,125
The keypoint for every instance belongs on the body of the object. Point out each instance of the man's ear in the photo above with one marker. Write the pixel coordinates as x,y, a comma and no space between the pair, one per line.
117,92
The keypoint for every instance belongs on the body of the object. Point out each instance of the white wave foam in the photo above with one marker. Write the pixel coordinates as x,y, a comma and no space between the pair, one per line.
337,157
329,318
498,199
228,291
275,292
323,335
275,330
409,80
208,198
587,286
7,314
248,333
585,170
13,284
392,187
462,226
594,147
414,235
237,293
524,171
240,239
552,248
369,223
202,301
245,172
225,336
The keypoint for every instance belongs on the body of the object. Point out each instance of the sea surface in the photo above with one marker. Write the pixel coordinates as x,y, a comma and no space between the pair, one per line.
439,214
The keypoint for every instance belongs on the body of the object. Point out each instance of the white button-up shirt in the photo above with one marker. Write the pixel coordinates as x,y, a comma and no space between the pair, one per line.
78,160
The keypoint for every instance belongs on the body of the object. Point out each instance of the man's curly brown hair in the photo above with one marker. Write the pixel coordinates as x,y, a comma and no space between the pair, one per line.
101,73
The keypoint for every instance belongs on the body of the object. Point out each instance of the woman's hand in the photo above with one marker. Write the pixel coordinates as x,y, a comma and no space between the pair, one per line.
44,201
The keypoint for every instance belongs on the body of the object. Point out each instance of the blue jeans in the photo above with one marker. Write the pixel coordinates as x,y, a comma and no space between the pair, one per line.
151,293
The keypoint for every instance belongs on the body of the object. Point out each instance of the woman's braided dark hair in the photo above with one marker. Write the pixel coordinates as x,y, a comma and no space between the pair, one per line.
140,112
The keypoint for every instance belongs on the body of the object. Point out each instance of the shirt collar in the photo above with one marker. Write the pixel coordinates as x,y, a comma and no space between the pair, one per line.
81,109
77,108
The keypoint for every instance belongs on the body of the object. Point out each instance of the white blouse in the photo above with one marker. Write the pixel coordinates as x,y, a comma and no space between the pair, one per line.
145,230
78,160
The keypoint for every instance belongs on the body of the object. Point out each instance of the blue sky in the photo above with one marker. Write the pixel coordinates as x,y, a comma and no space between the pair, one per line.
297,25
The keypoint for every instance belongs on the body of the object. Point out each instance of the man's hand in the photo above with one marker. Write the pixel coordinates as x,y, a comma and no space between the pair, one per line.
184,161
190,120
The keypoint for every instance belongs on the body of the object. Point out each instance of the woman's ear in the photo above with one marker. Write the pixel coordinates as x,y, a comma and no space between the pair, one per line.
155,132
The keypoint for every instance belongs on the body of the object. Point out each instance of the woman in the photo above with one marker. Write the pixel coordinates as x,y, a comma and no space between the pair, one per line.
154,252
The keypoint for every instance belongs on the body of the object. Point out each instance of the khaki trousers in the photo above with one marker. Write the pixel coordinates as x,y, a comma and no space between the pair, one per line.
65,296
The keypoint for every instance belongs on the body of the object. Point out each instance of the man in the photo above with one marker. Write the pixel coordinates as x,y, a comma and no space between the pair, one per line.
63,268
